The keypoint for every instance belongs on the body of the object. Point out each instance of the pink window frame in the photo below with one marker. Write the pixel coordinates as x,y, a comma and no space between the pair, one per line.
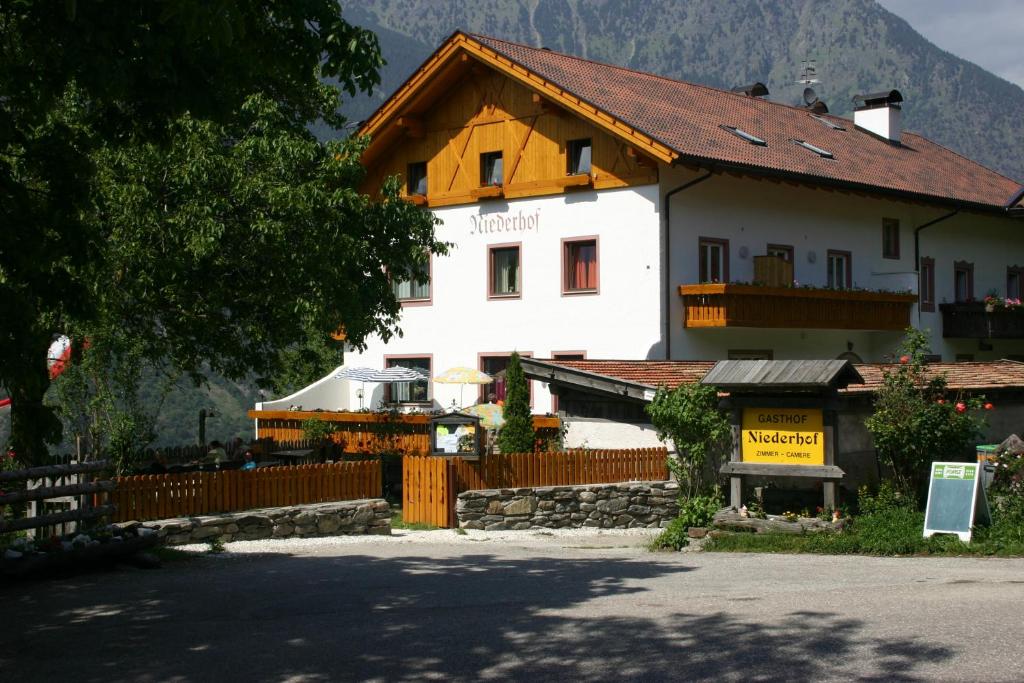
849,265
968,268
490,271
555,356
500,354
430,382
725,257
566,242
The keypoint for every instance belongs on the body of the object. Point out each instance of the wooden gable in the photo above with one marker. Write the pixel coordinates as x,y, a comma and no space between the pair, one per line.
472,108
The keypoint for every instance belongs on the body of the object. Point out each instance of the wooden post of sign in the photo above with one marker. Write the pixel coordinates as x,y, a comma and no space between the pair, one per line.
736,480
829,486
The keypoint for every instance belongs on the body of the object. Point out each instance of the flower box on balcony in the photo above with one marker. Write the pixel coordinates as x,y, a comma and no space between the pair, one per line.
487,192
971,320
737,305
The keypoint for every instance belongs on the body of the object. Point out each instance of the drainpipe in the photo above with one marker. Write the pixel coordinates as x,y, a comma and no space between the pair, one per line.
668,257
917,254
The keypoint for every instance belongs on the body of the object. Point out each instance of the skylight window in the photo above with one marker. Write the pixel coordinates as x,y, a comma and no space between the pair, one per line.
824,121
817,150
740,133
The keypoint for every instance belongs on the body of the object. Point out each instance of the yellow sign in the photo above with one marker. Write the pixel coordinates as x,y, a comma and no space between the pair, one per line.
784,436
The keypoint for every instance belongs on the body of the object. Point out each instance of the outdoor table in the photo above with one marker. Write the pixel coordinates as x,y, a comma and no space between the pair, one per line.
295,456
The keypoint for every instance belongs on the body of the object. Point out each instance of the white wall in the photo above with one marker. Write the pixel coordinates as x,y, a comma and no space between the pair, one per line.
622,321
591,433
752,214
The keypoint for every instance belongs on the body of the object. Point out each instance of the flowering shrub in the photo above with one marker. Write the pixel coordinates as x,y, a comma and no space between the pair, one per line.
999,303
915,421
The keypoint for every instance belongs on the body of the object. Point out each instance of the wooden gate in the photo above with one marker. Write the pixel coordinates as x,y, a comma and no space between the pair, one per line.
427,491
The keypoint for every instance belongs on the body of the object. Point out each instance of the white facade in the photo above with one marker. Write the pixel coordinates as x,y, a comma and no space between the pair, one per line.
626,318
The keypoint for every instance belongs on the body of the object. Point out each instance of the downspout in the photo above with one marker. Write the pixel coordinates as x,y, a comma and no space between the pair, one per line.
668,258
917,254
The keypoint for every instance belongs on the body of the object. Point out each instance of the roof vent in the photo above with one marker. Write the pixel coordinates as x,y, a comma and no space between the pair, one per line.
879,113
744,135
757,89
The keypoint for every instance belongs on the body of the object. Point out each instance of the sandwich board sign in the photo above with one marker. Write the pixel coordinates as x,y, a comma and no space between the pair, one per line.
956,500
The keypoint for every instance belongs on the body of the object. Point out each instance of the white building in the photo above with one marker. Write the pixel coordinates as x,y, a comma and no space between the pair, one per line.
580,197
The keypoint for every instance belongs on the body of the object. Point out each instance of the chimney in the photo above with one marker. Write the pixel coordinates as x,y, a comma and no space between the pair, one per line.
879,113
757,89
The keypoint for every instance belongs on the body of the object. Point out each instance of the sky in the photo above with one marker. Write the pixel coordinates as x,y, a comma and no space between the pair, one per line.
986,32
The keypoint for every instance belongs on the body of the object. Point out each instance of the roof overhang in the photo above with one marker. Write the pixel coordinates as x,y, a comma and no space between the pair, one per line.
782,375
451,61
588,382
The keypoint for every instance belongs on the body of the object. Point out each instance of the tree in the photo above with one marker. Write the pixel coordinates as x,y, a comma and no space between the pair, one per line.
516,435
689,415
917,420
157,178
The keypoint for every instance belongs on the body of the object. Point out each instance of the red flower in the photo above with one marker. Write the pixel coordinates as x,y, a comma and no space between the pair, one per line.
961,407
941,401
904,359
988,406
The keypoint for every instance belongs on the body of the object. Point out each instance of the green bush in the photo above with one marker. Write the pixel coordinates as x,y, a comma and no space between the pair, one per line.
888,497
673,537
516,435
696,511
318,430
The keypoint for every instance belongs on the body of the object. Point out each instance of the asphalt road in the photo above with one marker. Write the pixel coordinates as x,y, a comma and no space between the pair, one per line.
489,611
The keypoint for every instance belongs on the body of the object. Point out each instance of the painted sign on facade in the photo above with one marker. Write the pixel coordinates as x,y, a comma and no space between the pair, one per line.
783,436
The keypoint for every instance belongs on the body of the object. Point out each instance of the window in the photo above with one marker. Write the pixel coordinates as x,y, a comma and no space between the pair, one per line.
782,251
831,124
564,355
504,271
416,178
578,156
1014,281
824,153
839,265
492,364
926,285
409,392
579,266
963,281
750,354
744,135
410,291
714,260
490,169
890,238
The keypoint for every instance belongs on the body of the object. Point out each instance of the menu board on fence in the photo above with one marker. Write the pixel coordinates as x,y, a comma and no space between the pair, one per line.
956,500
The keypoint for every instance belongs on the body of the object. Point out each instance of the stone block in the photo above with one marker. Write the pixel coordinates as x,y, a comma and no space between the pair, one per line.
231,528
363,515
546,505
179,539
379,530
592,523
305,529
524,492
622,520
304,519
472,524
587,507
519,526
252,520
204,532
490,519
578,516
587,496
281,530
470,515
209,520
696,532
494,507
497,526
328,524
612,505
521,506
638,510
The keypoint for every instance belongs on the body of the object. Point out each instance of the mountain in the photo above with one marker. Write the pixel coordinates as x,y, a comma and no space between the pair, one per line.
857,45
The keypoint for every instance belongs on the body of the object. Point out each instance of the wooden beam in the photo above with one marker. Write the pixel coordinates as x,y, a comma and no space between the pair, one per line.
57,518
830,472
413,127
44,492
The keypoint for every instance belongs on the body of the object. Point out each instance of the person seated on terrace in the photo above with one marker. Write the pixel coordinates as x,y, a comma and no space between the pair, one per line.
216,455
250,462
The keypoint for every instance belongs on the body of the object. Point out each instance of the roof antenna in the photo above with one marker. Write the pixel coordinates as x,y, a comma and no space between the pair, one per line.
808,77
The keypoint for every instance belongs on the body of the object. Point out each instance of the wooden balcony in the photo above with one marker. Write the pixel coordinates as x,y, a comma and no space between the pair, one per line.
972,321
728,305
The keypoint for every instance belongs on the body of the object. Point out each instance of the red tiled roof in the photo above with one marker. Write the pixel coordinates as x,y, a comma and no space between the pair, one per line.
687,118
1000,374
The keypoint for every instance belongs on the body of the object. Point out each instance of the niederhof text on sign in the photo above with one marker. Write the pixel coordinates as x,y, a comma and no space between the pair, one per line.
785,436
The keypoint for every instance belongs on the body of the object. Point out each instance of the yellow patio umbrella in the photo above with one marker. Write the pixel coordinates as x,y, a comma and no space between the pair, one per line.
463,376
491,415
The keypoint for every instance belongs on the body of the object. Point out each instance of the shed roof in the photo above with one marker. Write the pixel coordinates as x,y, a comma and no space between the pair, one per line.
745,375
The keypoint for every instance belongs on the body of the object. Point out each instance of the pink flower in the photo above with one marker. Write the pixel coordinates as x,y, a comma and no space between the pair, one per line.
904,359
961,407
941,401
988,406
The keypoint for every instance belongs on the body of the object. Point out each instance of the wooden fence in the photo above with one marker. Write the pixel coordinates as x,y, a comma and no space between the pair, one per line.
431,484
56,498
159,496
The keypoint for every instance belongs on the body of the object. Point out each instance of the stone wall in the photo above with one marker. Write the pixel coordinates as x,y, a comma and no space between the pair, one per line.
605,506
343,518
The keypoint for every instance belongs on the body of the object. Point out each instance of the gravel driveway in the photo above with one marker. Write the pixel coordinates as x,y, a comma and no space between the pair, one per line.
519,605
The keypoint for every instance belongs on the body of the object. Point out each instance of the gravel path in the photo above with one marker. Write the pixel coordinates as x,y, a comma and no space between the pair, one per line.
555,538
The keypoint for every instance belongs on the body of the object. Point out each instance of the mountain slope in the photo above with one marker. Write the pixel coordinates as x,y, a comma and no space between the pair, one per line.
858,46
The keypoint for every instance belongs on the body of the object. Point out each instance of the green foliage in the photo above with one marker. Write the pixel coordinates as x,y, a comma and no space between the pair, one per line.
516,435
215,545
674,536
169,190
888,497
317,429
916,420
689,415
698,511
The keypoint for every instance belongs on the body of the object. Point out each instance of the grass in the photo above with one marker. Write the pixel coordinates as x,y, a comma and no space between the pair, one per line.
892,532
398,523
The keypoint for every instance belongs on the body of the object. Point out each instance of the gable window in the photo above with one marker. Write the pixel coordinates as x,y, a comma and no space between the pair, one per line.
504,271
564,355
1014,282
579,266
494,363
890,238
411,291
963,281
416,178
926,286
409,392
578,156
782,251
839,269
491,167
714,260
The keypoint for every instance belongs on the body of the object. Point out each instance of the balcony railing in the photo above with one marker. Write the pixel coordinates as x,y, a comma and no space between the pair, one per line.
973,321
733,305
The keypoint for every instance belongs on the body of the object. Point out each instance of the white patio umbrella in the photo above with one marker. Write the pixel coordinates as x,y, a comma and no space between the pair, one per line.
385,376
